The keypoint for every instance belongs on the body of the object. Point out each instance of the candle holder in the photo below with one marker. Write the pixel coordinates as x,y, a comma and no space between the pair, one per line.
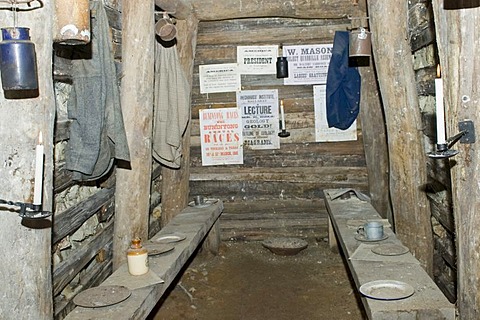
28,210
284,133
466,135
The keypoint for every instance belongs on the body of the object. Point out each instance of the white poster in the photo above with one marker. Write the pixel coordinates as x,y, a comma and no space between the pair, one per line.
322,132
219,78
221,136
307,64
257,59
259,110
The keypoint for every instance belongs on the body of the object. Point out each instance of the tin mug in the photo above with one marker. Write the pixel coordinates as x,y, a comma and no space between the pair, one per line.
165,28
371,230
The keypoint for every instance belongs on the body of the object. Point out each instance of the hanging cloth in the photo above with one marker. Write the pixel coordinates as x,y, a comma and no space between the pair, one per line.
343,85
172,107
97,132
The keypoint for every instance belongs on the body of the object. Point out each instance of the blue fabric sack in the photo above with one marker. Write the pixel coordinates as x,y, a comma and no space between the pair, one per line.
343,85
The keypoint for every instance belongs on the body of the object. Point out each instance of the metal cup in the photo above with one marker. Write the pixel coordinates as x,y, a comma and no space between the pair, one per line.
371,230
360,43
165,29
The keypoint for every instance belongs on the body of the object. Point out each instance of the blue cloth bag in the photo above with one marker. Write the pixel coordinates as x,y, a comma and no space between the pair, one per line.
343,85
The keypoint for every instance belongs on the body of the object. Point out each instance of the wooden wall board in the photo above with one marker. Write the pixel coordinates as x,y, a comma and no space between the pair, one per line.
259,31
327,9
95,275
70,220
257,220
69,268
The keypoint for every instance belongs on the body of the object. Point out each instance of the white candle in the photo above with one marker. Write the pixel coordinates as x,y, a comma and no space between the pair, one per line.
282,115
440,111
37,191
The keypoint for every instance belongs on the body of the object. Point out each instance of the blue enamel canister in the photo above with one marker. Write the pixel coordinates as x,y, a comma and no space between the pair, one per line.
18,63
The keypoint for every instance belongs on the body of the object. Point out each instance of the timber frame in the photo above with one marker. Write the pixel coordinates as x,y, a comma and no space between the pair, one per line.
401,176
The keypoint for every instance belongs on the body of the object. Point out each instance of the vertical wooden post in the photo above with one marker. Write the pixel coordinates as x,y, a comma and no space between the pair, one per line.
458,48
408,176
132,196
175,182
26,256
375,142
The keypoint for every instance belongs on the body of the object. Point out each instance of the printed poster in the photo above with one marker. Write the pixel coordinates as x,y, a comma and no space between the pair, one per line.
322,132
221,136
219,78
259,110
257,59
307,64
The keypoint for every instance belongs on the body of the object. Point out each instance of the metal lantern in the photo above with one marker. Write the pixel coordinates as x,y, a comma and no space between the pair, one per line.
18,62
282,67
360,43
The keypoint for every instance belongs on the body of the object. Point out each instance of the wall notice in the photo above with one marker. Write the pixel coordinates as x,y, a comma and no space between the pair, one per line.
259,110
322,132
257,59
307,64
219,78
221,136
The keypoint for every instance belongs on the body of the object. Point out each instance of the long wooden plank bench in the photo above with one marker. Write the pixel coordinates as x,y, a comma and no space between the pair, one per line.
195,223
346,213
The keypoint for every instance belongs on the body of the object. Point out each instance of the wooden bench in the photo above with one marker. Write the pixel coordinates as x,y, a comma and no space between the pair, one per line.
195,223
427,302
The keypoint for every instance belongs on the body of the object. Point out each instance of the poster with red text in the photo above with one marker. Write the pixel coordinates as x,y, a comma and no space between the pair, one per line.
221,136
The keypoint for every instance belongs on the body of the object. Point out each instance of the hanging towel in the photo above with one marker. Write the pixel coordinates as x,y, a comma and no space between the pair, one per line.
343,85
97,132
172,106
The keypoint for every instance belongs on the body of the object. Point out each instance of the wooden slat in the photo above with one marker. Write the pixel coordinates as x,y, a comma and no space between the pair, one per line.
259,31
62,178
283,184
306,135
272,206
420,24
442,210
95,276
254,159
290,174
68,269
326,9
66,222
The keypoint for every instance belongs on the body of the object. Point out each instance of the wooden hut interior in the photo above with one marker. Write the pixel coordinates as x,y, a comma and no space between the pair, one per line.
152,134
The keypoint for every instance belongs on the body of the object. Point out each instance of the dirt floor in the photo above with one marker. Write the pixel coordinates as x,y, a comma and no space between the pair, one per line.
247,281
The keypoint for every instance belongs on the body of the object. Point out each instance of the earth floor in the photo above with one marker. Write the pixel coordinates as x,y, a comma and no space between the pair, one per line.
247,281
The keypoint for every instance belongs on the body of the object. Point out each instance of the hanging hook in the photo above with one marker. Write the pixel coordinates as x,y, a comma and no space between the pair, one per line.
27,3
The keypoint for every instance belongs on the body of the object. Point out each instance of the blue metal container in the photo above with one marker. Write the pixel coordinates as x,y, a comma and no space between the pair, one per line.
18,63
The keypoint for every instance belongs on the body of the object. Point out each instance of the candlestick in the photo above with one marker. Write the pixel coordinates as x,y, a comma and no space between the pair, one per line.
440,111
282,115
37,191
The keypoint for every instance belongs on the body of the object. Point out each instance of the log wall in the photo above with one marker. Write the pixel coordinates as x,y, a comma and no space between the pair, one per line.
439,191
275,192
